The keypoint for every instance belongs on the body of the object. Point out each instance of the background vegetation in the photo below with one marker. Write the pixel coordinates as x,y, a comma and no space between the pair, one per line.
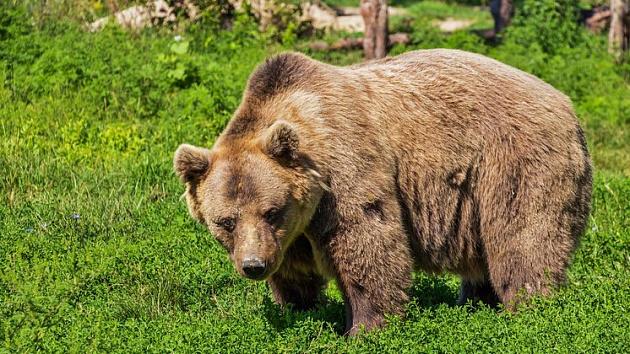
97,251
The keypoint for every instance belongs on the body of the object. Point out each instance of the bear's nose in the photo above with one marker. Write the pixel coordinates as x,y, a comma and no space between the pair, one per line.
253,267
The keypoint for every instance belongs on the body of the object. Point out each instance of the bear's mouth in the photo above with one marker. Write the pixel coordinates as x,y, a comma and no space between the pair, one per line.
256,278
264,275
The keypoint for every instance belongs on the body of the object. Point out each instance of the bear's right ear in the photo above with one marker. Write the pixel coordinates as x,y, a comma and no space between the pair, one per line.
191,162
281,141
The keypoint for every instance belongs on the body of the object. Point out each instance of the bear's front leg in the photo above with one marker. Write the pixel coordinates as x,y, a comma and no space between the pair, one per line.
372,261
302,291
297,282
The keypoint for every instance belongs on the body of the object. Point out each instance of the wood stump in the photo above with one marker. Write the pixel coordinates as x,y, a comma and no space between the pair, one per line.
619,34
374,13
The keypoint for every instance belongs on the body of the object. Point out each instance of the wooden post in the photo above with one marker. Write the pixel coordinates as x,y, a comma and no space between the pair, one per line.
619,34
374,13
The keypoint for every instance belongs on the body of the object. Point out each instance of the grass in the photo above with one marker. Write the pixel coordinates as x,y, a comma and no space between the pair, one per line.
97,252
441,10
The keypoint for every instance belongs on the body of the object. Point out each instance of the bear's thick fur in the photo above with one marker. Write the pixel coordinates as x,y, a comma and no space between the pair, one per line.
439,160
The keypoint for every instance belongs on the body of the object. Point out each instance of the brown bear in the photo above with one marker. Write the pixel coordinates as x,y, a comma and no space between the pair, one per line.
439,160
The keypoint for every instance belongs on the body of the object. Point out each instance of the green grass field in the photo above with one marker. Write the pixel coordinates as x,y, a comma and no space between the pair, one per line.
98,253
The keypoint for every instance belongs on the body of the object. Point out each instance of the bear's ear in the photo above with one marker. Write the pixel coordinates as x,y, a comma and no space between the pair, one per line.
191,162
281,141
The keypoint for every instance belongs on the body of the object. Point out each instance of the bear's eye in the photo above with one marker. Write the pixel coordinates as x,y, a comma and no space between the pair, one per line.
227,224
272,215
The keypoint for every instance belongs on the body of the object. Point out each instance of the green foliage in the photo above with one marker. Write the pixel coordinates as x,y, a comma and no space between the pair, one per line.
97,252
43,12
550,24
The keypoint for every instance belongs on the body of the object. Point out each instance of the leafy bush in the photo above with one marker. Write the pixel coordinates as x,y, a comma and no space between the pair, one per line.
550,24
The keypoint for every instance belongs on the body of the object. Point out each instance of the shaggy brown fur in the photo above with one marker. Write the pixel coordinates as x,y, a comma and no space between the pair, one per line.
440,160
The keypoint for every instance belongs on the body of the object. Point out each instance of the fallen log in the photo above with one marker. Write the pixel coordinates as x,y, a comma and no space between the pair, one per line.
357,43
599,21
356,11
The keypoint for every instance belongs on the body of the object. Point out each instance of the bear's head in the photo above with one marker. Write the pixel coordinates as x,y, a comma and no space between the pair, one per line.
255,194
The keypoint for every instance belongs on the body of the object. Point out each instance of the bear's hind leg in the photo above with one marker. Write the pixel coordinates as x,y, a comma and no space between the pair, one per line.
516,277
529,230
477,291
527,266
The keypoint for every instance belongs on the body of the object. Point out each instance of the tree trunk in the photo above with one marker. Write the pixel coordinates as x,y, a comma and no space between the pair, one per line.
502,11
619,28
112,6
374,13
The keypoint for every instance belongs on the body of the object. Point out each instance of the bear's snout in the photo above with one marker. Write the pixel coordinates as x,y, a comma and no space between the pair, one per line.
254,267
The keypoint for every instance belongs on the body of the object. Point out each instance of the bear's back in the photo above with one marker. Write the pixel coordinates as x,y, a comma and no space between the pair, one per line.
445,103
474,83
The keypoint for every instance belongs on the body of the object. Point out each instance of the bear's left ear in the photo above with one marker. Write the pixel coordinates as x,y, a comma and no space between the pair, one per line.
281,141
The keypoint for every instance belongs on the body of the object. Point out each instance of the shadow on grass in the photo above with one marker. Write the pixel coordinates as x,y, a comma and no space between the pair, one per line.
432,291
328,311
427,292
